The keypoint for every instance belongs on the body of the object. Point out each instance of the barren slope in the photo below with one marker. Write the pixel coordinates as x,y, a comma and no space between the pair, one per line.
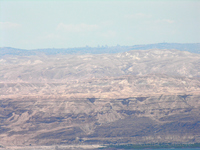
136,96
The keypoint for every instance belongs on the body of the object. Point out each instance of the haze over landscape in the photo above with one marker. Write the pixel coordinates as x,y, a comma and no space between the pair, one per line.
90,74
77,23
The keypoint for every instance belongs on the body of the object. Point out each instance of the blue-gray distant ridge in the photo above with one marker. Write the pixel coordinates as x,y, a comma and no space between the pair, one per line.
190,47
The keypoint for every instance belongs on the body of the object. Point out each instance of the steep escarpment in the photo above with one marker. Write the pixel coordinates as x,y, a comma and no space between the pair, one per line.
61,120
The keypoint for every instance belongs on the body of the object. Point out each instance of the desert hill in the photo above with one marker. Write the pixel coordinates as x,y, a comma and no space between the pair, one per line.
130,97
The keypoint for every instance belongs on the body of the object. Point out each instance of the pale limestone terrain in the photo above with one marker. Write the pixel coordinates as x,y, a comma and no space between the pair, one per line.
132,97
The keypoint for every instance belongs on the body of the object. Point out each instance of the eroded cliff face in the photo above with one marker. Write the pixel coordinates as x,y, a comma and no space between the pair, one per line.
61,120
159,103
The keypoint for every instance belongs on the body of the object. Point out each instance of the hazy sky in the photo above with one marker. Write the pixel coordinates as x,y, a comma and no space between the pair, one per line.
62,24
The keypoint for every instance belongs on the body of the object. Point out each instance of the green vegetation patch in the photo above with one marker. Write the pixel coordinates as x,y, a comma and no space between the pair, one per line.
154,146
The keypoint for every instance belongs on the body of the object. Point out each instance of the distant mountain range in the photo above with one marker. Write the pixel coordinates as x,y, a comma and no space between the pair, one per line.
190,47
